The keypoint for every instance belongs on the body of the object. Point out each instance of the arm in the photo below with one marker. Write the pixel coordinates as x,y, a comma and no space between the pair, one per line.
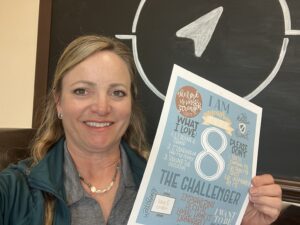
265,201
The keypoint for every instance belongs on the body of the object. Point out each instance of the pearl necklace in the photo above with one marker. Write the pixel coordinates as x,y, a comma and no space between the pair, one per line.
104,190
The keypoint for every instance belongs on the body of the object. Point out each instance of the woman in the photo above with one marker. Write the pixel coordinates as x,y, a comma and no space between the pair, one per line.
89,154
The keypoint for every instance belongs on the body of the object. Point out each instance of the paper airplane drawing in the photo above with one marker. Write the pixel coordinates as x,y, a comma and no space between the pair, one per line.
201,30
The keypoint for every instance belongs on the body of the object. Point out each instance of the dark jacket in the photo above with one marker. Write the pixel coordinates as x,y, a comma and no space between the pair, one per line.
22,188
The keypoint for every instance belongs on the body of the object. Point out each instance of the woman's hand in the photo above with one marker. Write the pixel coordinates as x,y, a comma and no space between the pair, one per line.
265,201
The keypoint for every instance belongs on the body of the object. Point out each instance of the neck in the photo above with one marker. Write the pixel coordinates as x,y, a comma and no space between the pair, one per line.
95,165
88,153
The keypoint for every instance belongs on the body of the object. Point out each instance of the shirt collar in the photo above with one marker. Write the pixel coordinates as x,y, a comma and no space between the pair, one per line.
74,190
45,179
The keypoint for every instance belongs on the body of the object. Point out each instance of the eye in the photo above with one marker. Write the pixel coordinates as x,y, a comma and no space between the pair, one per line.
80,91
118,93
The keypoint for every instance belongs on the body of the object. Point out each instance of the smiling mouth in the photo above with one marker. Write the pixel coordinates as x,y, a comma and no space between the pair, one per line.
98,124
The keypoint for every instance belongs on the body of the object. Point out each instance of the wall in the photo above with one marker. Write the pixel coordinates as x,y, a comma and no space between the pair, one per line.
18,41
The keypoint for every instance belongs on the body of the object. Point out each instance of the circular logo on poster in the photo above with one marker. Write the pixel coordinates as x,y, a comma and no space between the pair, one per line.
188,101
239,45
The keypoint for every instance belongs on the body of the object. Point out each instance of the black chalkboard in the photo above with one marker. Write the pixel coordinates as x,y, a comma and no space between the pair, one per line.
254,43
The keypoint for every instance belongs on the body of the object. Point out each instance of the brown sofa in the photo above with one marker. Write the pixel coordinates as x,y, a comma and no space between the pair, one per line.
14,145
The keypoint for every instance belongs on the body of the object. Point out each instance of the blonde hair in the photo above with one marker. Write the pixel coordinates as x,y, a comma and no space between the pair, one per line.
51,129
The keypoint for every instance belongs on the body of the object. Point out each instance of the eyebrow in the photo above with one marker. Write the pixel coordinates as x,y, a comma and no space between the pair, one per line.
89,83
92,84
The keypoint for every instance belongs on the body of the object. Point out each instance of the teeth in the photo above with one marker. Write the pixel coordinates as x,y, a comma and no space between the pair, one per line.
95,124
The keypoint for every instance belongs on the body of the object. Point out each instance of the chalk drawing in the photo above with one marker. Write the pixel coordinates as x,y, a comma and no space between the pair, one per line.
201,31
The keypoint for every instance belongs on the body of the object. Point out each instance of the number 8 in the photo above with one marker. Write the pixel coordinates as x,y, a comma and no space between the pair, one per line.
209,150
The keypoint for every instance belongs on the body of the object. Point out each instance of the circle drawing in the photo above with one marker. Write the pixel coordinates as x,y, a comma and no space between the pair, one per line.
191,41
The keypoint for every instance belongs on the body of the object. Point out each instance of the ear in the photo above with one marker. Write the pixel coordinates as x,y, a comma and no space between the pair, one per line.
57,103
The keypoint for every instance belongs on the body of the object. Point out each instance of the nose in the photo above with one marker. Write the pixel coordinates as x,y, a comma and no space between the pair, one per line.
101,105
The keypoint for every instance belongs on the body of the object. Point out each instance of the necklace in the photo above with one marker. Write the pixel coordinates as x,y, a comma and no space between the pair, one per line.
104,190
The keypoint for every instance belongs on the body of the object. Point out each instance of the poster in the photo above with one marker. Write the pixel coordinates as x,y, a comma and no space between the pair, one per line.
203,156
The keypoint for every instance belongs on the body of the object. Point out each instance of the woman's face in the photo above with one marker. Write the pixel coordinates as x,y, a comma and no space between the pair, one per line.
96,103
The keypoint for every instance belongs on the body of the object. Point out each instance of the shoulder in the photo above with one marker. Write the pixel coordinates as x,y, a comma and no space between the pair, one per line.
14,191
13,178
17,197
15,172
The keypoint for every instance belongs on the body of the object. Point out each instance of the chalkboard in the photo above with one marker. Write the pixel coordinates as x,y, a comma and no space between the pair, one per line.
253,50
